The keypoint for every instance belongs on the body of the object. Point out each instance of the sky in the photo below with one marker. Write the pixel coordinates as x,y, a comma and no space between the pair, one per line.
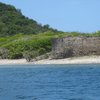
64,15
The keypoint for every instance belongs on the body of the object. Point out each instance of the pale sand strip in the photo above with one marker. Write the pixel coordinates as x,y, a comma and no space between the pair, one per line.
74,60
16,61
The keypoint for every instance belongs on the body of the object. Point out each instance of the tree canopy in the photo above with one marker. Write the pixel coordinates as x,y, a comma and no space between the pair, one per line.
12,22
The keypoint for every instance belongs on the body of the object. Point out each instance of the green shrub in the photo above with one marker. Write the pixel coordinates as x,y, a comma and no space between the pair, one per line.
42,51
4,53
29,55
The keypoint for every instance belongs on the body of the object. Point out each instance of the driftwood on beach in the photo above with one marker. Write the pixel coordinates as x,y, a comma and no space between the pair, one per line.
75,46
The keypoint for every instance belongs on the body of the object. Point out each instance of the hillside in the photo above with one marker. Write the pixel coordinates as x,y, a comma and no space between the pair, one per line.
21,37
12,22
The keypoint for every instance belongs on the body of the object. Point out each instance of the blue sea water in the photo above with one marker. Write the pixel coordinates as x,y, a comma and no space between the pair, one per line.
50,82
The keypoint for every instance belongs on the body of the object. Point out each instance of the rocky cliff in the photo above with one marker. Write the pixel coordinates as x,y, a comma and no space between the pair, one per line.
75,46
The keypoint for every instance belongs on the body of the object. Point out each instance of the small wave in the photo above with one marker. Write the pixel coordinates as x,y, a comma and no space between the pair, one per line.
25,97
1,90
84,98
76,99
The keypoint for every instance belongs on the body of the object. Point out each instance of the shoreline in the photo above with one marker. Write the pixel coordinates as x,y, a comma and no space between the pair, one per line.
73,60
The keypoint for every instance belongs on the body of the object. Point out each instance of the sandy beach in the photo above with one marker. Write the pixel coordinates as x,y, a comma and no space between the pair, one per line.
73,60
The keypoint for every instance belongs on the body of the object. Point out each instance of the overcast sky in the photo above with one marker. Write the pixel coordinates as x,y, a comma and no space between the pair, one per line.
65,15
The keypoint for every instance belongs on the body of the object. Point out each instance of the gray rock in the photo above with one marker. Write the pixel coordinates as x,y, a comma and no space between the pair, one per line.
75,46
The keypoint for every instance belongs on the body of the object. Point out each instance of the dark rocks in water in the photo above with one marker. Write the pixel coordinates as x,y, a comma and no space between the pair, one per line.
75,46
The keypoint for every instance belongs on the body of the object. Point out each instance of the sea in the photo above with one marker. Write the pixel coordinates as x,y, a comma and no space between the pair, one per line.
50,82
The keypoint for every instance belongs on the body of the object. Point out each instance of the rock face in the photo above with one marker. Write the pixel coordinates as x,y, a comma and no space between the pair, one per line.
75,46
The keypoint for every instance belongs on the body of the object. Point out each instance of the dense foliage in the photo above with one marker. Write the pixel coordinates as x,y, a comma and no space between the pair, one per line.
13,22
20,44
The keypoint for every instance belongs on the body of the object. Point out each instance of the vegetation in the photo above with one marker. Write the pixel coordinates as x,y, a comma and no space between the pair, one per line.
21,37
20,44
30,46
13,22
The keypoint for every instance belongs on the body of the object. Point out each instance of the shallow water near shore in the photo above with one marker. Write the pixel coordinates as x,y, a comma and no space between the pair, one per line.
50,82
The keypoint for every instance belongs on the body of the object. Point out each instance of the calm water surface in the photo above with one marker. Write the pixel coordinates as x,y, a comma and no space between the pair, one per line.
50,82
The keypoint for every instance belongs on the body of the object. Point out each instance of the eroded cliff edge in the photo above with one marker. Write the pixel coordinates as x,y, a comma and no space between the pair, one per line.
75,46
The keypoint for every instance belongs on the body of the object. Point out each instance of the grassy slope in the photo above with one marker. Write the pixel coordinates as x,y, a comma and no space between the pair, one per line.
40,43
21,43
